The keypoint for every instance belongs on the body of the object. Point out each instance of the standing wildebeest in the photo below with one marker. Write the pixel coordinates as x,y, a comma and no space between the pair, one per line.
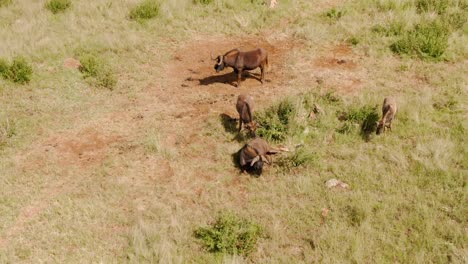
244,107
389,110
254,154
243,61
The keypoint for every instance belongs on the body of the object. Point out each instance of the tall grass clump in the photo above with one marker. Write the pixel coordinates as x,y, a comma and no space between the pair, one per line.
20,71
367,116
230,234
276,120
299,158
203,2
437,6
426,40
145,10
57,6
97,70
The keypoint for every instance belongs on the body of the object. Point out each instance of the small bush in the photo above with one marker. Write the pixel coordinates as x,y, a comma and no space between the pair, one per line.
57,6
95,68
438,6
455,20
276,120
396,28
19,71
145,10
230,235
353,41
367,116
427,40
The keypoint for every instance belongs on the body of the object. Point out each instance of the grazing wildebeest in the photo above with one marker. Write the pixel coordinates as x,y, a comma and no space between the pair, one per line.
254,154
243,61
244,107
389,110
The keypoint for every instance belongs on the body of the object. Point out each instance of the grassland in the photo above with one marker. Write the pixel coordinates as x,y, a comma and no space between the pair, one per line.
121,159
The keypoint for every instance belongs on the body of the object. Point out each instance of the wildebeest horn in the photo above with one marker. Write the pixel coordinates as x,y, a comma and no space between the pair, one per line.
254,160
211,55
264,159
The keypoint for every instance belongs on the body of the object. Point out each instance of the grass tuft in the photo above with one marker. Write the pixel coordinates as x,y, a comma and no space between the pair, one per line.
145,10
437,6
20,71
57,6
97,70
426,40
356,215
5,2
298,158
230,234
203,2
334,14
7,130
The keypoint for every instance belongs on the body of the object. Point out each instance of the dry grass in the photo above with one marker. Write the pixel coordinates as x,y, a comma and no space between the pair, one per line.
94,175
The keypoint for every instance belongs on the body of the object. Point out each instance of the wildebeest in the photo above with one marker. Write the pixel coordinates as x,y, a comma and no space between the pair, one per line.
254,154
243,61
389,110
244,107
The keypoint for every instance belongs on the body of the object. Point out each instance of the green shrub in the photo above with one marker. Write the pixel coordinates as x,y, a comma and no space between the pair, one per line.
57,6
5,2
145,10
276,120
427,40
230,235
98,70
19,71
367,116
353,41
438,6
455,20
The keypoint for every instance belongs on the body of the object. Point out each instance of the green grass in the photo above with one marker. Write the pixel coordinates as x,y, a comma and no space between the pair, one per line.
58,6
147,9
5,2
91,175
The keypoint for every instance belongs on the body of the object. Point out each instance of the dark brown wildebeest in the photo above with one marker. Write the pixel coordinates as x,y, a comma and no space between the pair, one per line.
244,107
255,153
243,61
389,110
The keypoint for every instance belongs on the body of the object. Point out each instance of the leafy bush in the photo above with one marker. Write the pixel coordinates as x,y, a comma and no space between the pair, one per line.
427,40
97,69
19,71
56,6
367,116
145,10
230,234
275,121
438,6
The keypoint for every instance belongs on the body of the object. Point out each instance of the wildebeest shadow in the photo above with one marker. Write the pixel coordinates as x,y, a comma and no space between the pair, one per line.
231,126
230,78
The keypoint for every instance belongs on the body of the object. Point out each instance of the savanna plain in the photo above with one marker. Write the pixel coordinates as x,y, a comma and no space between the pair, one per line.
118,139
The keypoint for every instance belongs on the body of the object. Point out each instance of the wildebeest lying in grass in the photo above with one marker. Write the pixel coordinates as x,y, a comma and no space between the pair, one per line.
389,110
255,153
243,61
244,107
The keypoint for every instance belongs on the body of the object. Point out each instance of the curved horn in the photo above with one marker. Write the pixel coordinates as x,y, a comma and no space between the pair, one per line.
254,160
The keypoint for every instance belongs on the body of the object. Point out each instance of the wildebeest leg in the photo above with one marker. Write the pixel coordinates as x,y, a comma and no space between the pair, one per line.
239,75
240,124
262,78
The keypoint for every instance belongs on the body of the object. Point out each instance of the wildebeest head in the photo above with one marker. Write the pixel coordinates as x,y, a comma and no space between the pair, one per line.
380,127
219,66
257,164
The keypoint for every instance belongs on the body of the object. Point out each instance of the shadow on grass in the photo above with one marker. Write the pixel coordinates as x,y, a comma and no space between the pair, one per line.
231,126
230,78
